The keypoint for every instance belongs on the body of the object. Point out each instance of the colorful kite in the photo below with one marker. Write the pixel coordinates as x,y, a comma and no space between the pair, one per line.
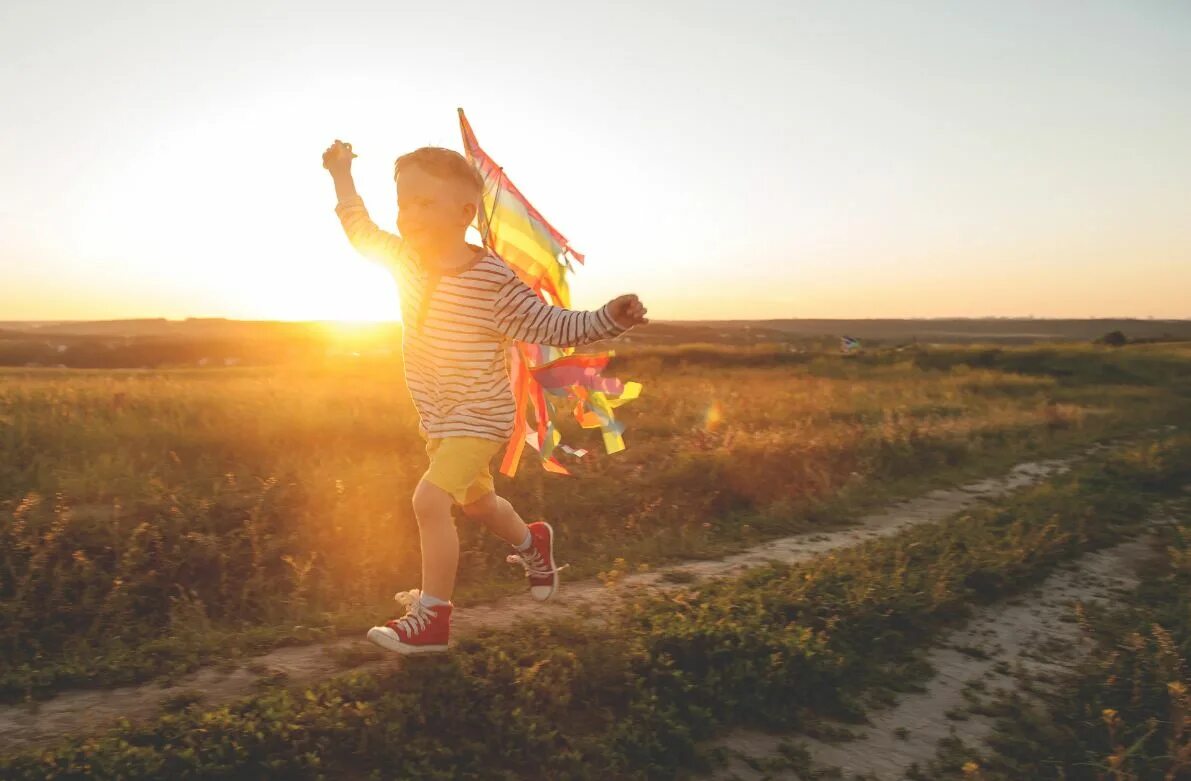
849,344
554,382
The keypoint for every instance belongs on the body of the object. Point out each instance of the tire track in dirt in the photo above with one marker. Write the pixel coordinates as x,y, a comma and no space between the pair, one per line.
87,711
1034,634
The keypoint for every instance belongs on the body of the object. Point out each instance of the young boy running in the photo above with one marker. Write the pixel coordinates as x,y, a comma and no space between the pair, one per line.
460,307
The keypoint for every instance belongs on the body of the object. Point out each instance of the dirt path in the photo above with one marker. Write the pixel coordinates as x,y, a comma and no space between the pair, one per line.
1034,635
90,710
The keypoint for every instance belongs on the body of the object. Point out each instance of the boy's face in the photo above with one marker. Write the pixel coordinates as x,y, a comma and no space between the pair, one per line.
432,213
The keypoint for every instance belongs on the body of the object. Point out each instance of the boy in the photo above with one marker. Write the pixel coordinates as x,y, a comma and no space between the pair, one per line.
460,305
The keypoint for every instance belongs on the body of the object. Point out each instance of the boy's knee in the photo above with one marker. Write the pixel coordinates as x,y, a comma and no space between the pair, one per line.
431,503
484,507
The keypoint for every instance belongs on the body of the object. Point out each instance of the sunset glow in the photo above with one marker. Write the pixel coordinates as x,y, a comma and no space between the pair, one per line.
873,160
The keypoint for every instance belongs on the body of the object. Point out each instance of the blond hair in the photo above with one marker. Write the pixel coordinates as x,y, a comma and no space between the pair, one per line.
444,164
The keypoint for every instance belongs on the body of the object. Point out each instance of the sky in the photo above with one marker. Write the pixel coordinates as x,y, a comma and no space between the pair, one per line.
739,159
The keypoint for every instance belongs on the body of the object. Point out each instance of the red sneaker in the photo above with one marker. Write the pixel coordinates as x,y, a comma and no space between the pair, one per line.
539,562
421,630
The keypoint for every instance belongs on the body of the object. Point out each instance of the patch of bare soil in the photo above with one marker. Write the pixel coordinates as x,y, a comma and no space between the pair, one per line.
1035,635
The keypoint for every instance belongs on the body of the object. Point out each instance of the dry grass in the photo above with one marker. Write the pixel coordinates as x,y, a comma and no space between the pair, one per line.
151,516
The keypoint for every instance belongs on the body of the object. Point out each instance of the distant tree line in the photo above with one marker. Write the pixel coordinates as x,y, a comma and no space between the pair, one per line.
1118,339
149,352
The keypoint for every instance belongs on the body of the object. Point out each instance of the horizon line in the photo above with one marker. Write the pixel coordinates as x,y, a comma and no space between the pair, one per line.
1145,318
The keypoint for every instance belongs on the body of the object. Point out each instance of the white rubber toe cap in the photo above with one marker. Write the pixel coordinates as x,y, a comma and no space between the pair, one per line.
386,638
542,593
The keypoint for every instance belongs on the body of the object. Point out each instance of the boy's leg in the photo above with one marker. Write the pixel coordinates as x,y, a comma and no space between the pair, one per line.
497,513
439,540
458,471
534,543
425,627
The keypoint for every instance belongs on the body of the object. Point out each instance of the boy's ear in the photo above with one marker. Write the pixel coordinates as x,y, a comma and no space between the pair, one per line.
470,210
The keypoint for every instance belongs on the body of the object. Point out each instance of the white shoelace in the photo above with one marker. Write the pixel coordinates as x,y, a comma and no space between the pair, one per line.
534,565
417,616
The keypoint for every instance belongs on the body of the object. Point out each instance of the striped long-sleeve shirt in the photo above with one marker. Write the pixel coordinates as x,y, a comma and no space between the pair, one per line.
456,328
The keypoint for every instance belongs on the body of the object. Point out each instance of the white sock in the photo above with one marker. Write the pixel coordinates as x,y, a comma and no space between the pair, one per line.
527,543
429,601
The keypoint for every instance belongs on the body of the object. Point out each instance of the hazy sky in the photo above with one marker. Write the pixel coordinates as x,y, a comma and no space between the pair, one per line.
727,159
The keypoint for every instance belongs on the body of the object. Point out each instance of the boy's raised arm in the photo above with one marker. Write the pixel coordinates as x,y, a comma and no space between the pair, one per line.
370,241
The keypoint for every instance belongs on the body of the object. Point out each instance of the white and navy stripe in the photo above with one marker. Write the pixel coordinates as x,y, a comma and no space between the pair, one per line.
454,349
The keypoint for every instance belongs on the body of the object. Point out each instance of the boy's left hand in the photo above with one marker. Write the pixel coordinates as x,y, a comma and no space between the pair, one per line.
628,311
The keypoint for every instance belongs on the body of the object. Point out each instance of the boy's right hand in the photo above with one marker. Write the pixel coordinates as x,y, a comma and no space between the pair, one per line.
338,157
628,311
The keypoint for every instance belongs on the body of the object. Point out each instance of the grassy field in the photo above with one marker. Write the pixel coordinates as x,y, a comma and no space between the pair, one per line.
1124,714
780,646
153,520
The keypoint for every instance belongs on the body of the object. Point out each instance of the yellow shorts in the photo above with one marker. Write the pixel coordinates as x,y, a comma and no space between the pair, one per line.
460,466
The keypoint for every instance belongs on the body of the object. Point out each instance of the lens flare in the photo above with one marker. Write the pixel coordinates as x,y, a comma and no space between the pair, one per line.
713,417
